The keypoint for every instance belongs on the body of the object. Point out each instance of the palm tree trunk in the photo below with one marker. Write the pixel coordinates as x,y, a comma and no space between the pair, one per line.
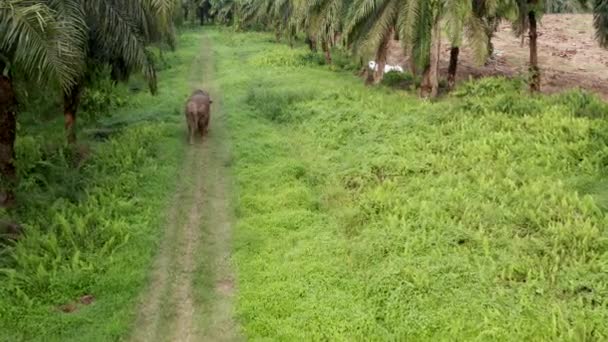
311,44
435,56
277,32
71,100
336,38
381,56
430,78
454,52
369,76
534,69
326,51
412,65
8,133
201,15
118,72
425,84
491,28
490,56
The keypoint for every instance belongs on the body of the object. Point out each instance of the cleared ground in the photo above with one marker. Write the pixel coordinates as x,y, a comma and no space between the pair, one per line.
569,55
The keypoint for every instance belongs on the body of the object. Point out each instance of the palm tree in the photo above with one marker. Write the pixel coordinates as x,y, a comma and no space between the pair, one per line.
39,44
277,15
372,24
530,12
490,13
422,37
322,20
118,34
224,10
459,15
477,20
417,23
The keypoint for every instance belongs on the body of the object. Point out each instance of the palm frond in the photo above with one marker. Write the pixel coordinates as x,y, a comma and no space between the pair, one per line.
40,43
108,20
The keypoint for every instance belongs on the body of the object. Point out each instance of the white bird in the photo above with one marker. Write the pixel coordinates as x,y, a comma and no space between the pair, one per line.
396,68
387,68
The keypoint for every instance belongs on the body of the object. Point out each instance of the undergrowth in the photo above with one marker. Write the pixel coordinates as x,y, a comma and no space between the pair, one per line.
362,213
91,213
367,214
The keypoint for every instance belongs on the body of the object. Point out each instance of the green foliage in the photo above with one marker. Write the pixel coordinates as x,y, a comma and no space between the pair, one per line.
584,104
404,80
41,40
497,95
77,218
489,87
563,6
282,57
343,61
314,58
99,99
374,215
91,213
273,103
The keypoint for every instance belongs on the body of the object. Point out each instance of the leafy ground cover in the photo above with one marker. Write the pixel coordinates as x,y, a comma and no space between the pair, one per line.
364,212
93,214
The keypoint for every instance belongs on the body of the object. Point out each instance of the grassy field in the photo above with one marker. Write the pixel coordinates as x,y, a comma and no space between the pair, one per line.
93,215
361,213
366,213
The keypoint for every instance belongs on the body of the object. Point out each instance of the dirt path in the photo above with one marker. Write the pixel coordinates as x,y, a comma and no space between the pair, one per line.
191,289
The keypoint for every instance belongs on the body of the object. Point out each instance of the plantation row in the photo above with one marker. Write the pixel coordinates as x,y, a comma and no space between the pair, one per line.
365,27
66,43
92,214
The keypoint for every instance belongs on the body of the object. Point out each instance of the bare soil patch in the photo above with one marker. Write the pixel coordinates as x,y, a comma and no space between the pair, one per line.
569,55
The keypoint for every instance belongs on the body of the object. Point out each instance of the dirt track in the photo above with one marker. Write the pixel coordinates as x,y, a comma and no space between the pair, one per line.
191,287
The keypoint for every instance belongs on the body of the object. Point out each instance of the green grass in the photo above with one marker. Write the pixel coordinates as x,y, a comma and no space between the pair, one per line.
93,223
365,213
362,213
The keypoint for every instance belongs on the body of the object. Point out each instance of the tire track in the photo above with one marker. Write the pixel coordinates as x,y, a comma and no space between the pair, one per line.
197,243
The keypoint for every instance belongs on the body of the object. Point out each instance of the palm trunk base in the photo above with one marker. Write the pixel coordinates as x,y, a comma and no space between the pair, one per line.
369,76
534,69
435,56
378,75
8,133
70,127
534,79
426,87
382,56
453,68
312,45
71,100
327,53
